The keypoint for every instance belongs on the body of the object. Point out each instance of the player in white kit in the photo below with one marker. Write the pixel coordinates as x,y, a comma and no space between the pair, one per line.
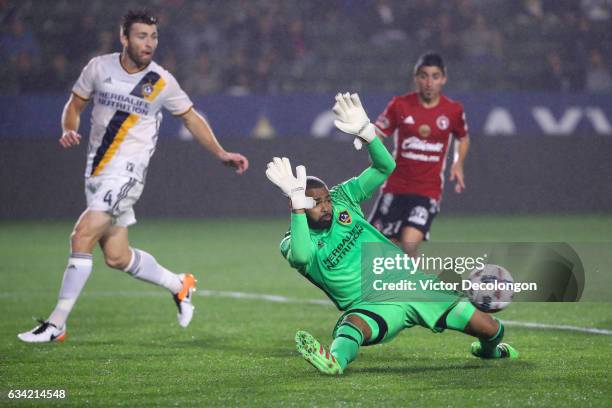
128,90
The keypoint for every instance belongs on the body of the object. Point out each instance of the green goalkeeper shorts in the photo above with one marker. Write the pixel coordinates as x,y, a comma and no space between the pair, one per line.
387,319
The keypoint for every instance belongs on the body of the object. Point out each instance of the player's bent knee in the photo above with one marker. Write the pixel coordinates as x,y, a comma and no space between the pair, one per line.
120,262
361,324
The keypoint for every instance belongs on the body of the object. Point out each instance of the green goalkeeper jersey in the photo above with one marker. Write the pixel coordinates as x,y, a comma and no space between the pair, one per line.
331,259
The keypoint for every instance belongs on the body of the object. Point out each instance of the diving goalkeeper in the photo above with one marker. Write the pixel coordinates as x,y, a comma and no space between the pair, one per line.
324,244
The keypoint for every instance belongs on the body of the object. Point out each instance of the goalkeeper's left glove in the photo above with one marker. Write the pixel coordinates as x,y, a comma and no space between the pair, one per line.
280,173
351,118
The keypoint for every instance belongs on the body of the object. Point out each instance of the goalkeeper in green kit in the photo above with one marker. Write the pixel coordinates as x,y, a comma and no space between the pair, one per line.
325,243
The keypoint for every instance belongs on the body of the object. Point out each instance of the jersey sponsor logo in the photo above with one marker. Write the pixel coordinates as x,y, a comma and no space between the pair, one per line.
418,215
345,218
123,103
424,131
420,157
442,122
409,120
343,248
382,122
414,143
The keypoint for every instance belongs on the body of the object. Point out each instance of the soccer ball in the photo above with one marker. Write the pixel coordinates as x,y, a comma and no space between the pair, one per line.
487,291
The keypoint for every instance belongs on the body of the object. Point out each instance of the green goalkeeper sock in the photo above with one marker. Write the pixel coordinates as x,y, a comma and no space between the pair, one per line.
346,344
489,346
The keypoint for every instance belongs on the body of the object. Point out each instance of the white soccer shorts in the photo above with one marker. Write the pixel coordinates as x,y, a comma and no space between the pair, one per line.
115,196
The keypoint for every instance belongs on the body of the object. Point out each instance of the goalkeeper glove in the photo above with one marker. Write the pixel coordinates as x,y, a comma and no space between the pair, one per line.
279,172
351,118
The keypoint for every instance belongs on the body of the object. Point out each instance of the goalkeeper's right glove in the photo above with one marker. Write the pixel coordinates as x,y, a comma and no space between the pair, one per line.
351,118
279,172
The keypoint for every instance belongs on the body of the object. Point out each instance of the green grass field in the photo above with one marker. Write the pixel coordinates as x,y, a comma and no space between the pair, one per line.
124,347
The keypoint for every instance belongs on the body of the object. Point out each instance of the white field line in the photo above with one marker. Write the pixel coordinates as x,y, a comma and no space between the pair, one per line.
544,326
323,302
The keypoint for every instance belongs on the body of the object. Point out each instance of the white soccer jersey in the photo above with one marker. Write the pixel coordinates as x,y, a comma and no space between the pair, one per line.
127,114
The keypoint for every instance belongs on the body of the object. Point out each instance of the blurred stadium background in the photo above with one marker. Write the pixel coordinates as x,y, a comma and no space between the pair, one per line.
534,76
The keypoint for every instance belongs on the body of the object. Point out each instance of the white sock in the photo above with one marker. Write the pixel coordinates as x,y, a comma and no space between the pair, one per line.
76,274
143,266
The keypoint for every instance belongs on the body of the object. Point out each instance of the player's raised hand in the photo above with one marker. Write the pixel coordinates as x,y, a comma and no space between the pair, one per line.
351,118
280,173
69,139
456,173
235,160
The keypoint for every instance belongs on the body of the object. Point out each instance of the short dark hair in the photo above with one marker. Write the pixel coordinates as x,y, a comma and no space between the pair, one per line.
136,16
430,59
315,182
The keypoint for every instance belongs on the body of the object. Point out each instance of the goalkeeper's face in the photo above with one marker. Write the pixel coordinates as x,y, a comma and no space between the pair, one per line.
319,217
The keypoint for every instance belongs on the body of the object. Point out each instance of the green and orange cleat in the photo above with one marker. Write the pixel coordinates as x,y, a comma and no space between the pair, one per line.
316,355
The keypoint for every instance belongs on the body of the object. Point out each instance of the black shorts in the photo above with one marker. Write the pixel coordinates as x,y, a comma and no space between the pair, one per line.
393,212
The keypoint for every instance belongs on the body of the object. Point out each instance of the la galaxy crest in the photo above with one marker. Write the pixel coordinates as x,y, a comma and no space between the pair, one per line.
147,89
344,218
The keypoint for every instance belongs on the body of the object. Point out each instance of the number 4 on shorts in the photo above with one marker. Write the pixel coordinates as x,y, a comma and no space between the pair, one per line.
108,198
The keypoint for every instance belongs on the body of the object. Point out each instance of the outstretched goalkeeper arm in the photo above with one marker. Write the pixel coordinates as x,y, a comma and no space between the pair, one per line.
297,248
351,118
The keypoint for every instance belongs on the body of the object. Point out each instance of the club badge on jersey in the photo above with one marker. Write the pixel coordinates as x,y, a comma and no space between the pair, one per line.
344,218
424,131
442,122
147,89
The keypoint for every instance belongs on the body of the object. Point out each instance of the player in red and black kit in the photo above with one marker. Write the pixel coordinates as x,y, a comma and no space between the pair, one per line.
423,123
